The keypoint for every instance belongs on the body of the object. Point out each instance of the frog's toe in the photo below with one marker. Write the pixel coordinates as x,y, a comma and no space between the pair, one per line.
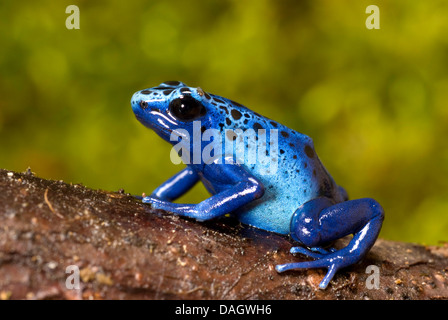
333,265
154,202
322,250
309,253
313,252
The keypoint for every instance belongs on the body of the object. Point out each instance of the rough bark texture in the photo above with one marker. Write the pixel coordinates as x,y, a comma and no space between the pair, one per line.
125,250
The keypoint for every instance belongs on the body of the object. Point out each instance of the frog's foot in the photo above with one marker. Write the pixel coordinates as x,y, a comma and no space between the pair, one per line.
186,210
321,221
332,261
156,203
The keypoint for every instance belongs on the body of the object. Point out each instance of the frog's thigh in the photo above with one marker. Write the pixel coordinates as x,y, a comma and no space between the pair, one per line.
320,221
315,224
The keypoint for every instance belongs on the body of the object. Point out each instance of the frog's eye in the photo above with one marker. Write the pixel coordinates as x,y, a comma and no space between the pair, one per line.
186,108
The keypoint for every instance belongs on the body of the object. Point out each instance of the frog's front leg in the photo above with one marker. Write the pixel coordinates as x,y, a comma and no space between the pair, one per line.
320,221
237,187
176,186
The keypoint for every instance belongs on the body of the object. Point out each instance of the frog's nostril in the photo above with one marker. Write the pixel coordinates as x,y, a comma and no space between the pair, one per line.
143,105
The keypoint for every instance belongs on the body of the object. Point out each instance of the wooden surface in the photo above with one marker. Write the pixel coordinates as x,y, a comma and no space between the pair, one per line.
125,250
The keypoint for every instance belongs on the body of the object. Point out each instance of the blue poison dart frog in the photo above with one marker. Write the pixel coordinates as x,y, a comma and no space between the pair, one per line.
290,194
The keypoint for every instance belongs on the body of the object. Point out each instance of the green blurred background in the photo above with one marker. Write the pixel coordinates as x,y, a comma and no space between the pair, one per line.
374,101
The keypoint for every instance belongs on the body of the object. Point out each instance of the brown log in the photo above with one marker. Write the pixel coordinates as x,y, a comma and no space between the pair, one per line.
125,250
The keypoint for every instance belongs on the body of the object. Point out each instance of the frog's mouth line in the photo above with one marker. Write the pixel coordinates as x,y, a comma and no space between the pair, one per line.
158,128
162,130
159,125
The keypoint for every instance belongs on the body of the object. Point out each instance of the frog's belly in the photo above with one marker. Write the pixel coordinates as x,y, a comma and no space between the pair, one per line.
289,183
285,192
273,211
271,216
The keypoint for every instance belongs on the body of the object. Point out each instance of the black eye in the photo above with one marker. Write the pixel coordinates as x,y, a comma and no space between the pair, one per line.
186,108
143,104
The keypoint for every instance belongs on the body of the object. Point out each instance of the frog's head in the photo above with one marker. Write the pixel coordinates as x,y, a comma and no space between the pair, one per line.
171,106
178,112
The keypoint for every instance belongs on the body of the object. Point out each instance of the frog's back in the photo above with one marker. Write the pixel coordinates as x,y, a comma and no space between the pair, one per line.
291,172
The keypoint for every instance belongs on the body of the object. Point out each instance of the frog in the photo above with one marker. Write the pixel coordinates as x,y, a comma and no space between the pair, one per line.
299,199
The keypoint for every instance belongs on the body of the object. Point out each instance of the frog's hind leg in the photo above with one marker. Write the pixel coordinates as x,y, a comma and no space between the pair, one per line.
320,221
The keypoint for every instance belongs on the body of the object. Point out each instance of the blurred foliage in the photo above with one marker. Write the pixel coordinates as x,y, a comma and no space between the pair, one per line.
374,101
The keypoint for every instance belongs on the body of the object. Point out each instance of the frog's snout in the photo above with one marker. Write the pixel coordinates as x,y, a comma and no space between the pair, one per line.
138,103
135,99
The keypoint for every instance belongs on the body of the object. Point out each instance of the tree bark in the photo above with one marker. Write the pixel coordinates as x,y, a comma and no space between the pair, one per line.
123,249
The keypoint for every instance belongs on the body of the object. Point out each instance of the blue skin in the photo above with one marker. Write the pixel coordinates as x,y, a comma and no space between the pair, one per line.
301,199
